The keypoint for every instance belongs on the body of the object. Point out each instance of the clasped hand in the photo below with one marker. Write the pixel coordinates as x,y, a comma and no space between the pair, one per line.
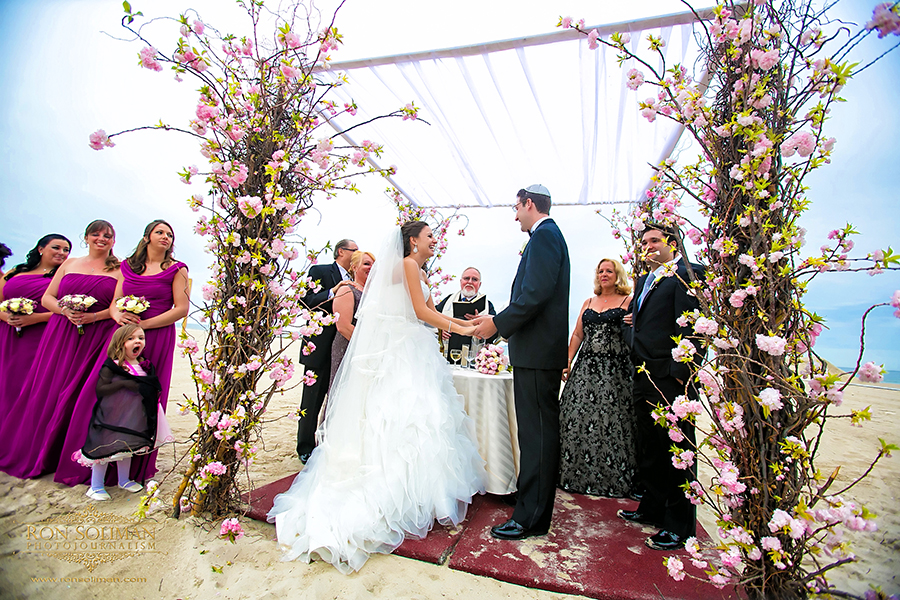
484,326
76,317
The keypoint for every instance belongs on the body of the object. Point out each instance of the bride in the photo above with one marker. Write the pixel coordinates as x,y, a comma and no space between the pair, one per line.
396,449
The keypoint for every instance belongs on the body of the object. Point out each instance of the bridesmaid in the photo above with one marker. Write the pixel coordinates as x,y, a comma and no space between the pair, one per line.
27,280
31,438
151,271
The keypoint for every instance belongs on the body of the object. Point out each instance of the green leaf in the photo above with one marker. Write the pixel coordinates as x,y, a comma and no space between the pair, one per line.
215,568
127,6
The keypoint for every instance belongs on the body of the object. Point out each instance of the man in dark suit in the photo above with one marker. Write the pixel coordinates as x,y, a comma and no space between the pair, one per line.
661,296
469,292
331,278
536,323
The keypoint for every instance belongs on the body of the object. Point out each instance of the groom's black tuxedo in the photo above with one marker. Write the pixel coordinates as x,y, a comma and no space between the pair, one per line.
654,325
319,361
536,325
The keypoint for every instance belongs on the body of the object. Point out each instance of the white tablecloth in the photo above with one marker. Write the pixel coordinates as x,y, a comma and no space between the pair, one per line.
491,405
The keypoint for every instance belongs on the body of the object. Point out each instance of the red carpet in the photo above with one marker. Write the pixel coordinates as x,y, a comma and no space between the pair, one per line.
589,550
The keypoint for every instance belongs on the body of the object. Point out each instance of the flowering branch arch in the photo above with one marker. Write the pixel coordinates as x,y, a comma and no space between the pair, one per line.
777,67
260,118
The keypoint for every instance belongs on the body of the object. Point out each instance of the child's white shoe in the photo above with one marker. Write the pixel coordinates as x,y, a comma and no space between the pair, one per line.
100,494
132,486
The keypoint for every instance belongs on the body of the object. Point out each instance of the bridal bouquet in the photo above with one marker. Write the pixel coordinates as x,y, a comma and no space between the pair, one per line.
78,303
491,360
132,304
18,306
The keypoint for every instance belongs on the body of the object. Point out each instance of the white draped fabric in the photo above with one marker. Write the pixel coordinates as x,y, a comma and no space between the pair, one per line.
505,114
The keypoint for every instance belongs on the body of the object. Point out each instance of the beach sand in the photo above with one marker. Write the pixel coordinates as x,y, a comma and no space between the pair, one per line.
189,560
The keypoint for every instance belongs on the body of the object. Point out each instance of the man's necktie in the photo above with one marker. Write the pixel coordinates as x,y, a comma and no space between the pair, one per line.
648,284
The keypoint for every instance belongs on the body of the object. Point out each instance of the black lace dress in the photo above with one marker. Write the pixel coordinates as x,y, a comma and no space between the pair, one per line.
596,418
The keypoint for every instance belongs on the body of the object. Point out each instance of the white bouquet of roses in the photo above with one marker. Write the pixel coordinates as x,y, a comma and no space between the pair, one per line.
491,360
132,304
78,303
18,306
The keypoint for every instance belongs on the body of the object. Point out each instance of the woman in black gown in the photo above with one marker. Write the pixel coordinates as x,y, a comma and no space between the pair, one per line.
597,422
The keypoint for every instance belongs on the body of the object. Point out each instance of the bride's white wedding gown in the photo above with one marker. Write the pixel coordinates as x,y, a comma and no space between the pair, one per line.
396,449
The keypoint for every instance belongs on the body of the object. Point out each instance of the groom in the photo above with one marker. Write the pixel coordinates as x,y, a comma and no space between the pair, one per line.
536,323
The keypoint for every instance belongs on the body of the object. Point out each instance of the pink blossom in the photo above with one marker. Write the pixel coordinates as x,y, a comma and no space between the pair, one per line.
231,529
771,399
625,38
773,344
802,142
289,71
706,326
675,568
309,378
885,20
635,79
765,60
215,468
592,37
198,28
683,460
309,348
895,299
872,373
250,206
566,22
148,59
770,543
683,351
291,40
99,140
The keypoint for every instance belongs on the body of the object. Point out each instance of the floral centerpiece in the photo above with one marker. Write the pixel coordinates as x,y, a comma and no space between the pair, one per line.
18,306
78,303
491,360
132,304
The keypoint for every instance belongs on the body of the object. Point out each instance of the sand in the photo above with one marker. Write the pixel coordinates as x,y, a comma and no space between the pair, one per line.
189,560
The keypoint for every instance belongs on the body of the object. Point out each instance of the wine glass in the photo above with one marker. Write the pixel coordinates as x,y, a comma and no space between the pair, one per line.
473,352
455,355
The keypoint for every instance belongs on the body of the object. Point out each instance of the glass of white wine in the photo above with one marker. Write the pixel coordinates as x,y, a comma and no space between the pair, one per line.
455,355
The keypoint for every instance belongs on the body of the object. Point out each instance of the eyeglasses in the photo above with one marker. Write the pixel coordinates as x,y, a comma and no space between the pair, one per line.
350,249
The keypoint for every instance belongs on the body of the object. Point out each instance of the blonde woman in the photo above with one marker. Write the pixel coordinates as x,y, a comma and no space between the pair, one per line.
345,303
596,419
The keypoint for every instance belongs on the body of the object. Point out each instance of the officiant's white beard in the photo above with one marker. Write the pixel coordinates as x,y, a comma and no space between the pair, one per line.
469,290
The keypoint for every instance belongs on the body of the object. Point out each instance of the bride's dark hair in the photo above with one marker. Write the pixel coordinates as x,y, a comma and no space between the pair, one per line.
410,230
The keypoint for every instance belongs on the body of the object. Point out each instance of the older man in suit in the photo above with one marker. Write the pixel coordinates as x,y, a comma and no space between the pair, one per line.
661,296
536,323
331,278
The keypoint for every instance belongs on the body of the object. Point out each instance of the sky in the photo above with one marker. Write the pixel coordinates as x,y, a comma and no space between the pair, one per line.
64,75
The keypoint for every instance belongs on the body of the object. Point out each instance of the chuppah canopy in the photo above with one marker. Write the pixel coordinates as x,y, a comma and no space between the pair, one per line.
542,109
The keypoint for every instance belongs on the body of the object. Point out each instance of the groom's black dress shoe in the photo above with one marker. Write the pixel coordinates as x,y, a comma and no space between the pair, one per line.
634,516
513,531
665,540
304,458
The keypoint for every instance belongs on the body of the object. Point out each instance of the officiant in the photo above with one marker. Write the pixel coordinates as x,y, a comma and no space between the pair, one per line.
467,303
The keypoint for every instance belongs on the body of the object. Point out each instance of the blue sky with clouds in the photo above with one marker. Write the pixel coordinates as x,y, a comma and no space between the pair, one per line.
63,77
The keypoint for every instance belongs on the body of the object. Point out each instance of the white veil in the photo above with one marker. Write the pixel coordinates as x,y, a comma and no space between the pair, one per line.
385,318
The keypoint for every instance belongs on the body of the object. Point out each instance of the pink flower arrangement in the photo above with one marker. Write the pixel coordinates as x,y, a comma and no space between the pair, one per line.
491,360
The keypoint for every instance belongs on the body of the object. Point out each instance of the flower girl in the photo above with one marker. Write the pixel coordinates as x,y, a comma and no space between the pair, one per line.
127,418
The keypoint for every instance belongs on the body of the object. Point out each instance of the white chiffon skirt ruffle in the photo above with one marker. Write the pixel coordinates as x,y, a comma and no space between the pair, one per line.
396,453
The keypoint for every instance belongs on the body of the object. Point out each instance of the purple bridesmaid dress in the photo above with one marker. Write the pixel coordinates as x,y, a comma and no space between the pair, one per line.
160,350
17,353
31,438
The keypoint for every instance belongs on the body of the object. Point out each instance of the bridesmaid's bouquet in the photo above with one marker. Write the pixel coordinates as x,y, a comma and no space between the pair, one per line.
132,304
18,306
491,360
77,302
